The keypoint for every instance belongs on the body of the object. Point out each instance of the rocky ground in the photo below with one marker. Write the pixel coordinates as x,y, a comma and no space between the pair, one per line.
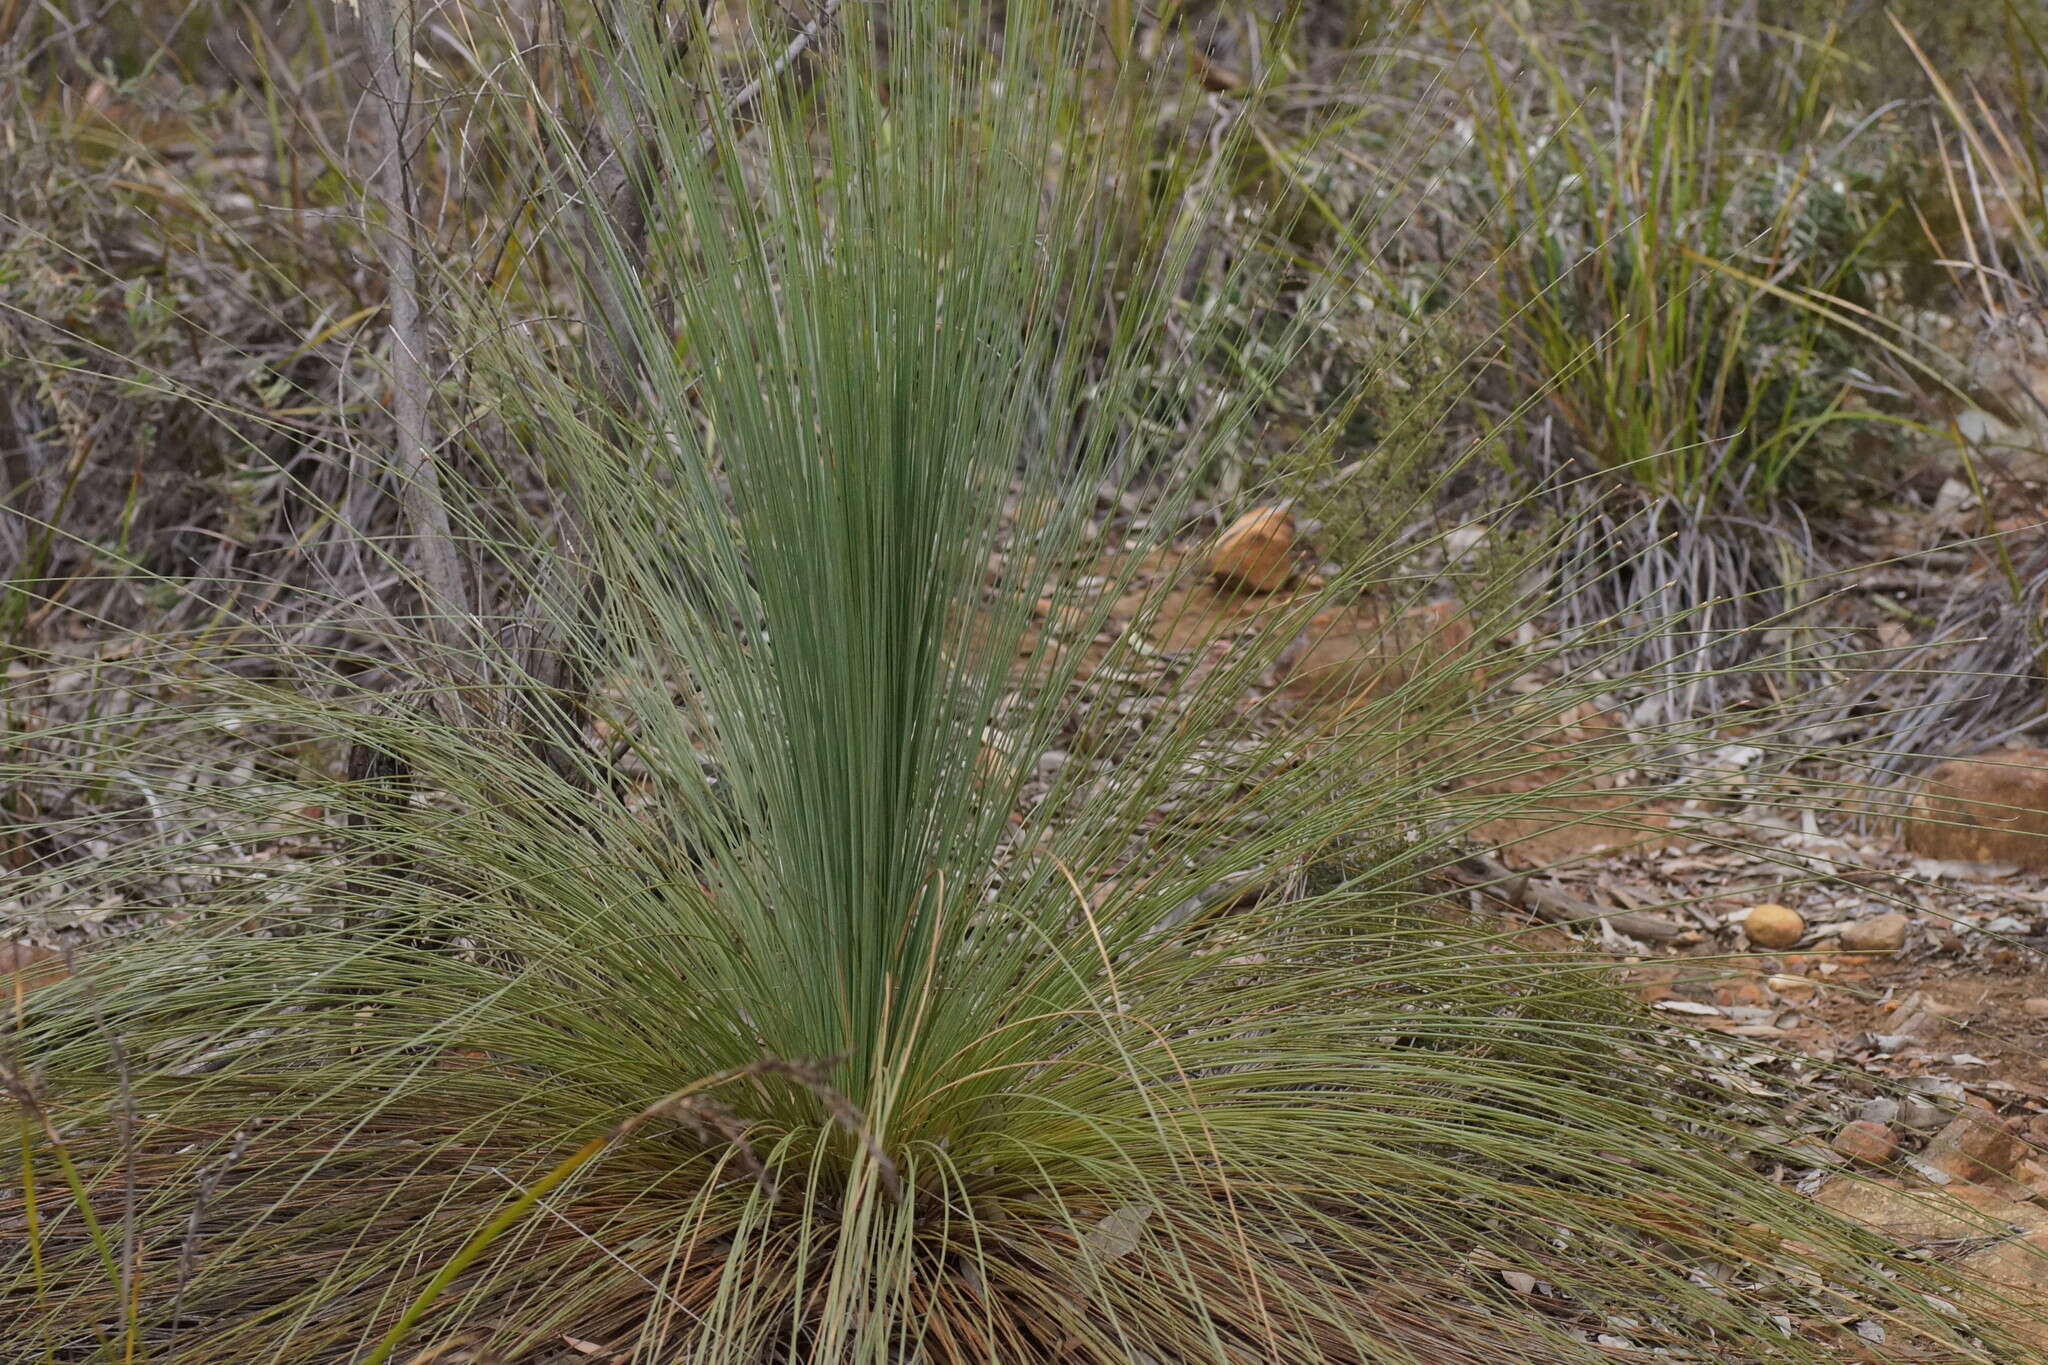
1914,990
1887,951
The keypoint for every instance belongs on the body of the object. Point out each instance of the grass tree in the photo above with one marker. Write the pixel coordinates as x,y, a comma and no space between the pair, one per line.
841,974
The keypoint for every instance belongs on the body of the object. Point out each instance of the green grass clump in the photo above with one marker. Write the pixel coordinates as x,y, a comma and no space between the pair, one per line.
1673,292
770,991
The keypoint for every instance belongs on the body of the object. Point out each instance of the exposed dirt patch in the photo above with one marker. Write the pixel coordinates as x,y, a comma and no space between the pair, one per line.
1339,657
24,967
1583,824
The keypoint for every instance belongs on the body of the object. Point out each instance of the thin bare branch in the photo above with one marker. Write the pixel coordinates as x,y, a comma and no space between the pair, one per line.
387,43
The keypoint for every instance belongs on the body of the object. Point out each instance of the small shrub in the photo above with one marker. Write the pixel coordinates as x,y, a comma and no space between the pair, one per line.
1674,295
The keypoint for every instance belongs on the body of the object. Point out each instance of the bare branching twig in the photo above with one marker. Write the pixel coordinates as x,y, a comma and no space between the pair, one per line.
387,41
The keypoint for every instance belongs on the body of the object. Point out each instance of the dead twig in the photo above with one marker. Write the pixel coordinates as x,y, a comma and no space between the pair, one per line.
209,1183
387,42
707,142
384,781
624,161
711,1122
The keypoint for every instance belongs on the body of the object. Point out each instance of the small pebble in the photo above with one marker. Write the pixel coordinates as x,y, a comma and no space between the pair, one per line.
1791,988
1740,992
2036,1008
1884,933
1256,553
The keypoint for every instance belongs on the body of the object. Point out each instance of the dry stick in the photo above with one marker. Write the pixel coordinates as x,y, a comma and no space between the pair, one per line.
550,715
24,1089
387,42
443,583
707,142
814,1078
209,1183
616,200
384,780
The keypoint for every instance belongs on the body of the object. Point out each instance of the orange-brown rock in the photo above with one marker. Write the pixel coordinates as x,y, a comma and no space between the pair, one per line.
1975,1145
1774,926
1989,809
2014,1268
1901,1214
2011,1262
2017,1270
1256,552
1913,1215
1793,989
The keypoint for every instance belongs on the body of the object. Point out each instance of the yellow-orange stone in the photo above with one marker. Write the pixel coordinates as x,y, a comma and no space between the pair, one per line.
1774,926
1256,553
